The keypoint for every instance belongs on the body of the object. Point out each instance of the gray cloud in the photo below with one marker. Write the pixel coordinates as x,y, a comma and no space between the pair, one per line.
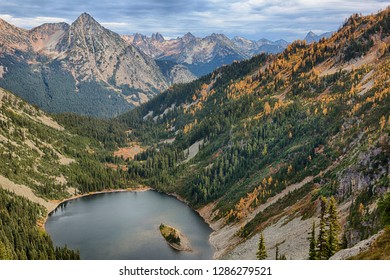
254,19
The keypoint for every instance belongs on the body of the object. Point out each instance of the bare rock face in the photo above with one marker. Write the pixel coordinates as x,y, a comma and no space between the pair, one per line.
45,37
12,38
93,52
356,178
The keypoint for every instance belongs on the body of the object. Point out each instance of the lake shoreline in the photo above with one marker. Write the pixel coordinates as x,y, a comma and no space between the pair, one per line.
56,203
79,221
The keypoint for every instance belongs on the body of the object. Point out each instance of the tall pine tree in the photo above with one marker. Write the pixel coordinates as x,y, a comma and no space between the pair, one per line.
333,228
261,252
328,242
322,241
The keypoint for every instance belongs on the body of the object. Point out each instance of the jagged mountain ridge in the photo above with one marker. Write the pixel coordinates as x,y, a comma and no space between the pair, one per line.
101,74
12,37
202,55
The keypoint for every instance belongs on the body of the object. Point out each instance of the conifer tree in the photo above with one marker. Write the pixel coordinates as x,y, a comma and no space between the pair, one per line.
312,238
333,228
322,241
261,252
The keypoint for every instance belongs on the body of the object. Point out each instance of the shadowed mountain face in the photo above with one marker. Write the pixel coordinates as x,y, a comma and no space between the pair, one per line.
82,68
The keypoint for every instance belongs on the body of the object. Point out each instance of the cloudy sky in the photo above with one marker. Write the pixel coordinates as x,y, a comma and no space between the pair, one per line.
253,19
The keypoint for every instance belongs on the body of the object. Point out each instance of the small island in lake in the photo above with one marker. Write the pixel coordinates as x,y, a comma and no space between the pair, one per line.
176,239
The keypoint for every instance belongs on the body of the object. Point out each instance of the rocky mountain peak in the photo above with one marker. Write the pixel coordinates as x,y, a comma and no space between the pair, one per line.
86,21
86,33
312,37
188,37
85,18
241,39
51,26
9,28
219,36
158,37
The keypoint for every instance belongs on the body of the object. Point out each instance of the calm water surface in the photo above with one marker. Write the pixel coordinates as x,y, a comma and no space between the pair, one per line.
124,225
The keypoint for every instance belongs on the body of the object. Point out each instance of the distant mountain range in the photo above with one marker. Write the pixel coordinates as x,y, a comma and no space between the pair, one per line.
87,69
202,55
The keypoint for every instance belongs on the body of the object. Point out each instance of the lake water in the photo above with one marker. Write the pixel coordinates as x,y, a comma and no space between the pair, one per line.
124,225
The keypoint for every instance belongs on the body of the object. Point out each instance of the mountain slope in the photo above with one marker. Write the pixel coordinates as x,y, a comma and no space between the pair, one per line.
253,146
49,159
40,164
